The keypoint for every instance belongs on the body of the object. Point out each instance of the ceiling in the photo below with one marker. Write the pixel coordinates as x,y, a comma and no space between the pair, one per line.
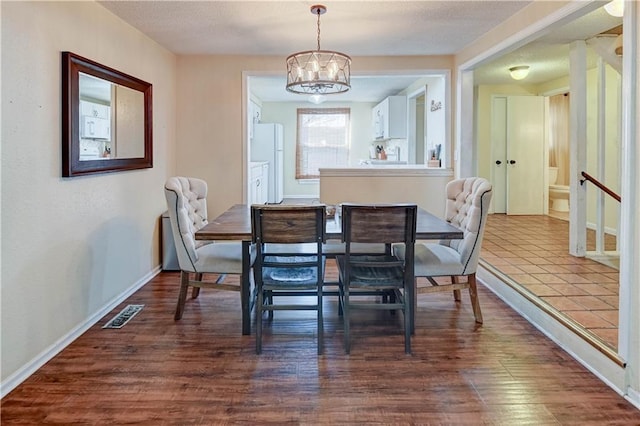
357,28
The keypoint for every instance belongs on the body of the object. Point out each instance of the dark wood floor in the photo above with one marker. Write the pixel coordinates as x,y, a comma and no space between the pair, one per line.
201,370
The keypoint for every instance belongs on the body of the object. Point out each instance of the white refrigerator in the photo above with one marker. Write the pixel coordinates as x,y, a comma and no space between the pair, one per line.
268,145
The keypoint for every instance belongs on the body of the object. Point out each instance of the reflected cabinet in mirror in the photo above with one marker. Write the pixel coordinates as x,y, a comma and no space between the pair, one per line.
106,119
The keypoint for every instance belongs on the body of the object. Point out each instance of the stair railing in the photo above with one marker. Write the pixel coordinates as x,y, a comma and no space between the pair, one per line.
588,177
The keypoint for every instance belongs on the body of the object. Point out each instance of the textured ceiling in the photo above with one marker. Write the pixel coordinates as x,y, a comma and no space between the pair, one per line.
357,28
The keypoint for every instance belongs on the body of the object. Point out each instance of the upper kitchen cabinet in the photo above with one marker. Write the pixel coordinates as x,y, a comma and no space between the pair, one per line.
95,120
390,118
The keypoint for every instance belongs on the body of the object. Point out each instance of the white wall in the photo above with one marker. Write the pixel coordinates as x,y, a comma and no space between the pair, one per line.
71,246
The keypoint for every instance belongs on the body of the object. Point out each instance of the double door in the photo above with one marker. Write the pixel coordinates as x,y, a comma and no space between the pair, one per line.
518,146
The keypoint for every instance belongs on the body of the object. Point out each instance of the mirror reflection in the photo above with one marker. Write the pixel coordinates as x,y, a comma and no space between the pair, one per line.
111,120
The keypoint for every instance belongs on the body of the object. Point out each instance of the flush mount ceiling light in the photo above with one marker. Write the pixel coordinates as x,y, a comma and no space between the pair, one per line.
318,72
615,8
519,72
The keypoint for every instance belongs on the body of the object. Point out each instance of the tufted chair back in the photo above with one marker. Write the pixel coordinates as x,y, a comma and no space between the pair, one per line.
467,207
187,204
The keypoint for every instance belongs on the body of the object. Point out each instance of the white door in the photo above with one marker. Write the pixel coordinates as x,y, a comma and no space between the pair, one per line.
518,169
499,153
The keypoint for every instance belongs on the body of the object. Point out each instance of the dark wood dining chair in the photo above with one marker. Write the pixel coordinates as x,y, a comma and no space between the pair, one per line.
281,269
386,276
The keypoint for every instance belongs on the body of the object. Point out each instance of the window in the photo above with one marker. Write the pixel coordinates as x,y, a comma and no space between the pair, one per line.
322,140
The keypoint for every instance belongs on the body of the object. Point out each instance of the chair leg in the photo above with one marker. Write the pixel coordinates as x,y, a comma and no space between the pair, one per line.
456,293
346,319
473,293
408,305
195,291
269,301
182,297
320,323
259,306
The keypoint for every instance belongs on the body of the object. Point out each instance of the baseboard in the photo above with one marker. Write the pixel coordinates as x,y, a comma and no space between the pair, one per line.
45,356
633,396
607,229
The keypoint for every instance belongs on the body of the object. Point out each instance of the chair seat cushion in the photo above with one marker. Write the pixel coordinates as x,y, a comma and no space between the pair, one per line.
290,277
433,260
372,276
221,258
330,248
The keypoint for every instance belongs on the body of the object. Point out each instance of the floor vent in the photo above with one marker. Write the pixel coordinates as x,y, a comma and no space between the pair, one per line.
124,316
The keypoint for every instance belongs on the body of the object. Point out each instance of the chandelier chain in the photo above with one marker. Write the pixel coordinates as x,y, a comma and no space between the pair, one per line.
319,28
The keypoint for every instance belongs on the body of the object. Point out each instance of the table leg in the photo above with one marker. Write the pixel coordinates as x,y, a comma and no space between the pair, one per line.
245,289
413,305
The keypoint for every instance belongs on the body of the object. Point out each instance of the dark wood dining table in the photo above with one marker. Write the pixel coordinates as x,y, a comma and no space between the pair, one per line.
235,225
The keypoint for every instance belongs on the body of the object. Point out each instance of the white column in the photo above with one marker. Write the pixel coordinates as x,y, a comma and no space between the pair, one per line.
602,111
465,153
577,148
629,305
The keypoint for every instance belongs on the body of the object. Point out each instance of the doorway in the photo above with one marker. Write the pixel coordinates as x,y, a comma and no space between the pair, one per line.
417,127
518,154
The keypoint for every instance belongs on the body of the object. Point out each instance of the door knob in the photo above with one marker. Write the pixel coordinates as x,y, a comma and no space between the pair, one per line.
498,162
512,161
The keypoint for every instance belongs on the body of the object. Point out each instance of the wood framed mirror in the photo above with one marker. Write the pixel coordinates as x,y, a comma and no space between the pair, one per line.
106,119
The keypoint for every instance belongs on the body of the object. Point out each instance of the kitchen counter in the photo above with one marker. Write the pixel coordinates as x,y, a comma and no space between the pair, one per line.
406,183
385,170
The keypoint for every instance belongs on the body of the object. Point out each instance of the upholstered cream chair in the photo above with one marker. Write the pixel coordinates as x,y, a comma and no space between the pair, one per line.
467,206
187,204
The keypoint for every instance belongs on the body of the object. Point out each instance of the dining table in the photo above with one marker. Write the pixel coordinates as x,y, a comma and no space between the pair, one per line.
234,224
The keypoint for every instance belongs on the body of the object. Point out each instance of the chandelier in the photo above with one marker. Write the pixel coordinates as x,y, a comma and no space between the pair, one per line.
318,72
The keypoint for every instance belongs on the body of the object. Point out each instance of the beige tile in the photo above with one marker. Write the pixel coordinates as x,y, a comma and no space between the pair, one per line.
609,315
589,320
562,304
570,290
554,269
524,279
541,290
574,278
596,289
510,270
532,269
549,278
591,303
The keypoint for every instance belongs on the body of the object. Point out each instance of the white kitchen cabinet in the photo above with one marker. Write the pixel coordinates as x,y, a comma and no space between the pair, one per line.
389,118
95,120
95,128
259,183
92,109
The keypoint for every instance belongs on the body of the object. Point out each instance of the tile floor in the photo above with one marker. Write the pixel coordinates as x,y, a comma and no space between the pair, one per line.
533,251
